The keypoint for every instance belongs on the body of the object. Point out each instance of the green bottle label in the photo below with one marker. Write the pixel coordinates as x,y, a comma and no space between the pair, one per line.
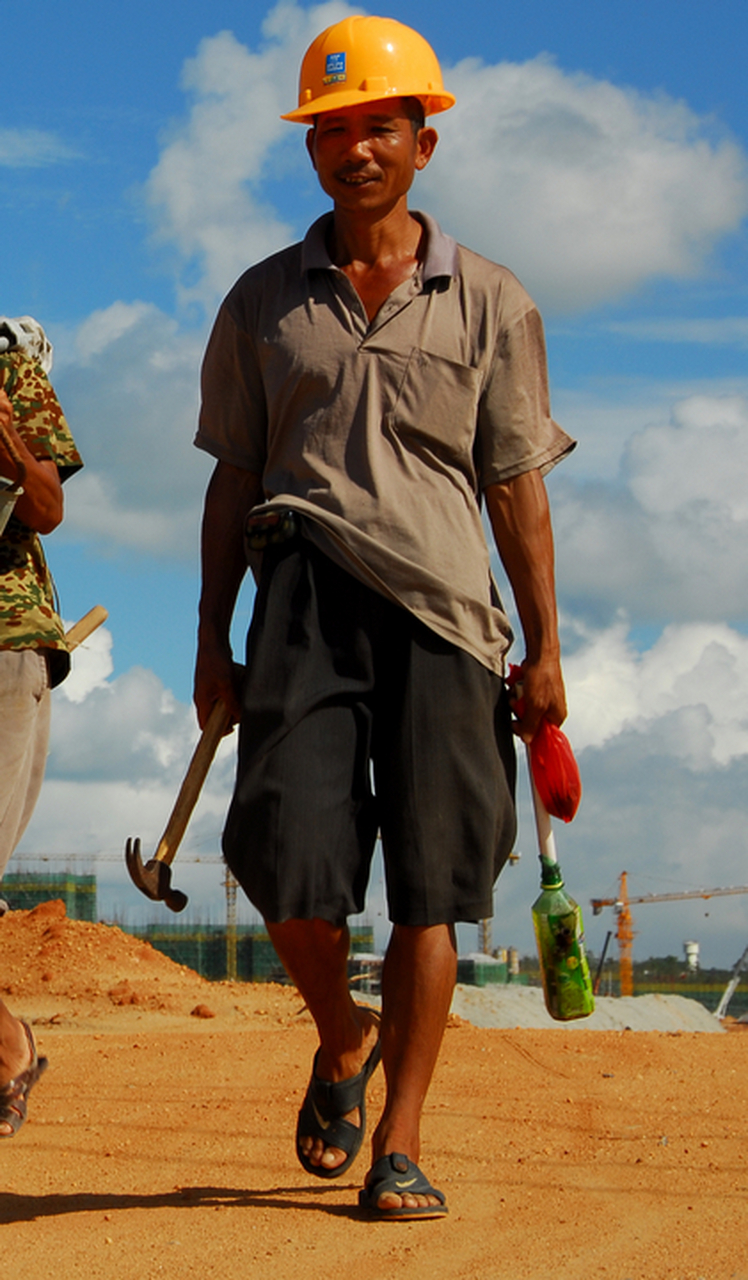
563,961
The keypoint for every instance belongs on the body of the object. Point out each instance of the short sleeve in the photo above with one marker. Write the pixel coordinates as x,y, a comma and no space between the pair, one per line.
515,430
37,415
233,412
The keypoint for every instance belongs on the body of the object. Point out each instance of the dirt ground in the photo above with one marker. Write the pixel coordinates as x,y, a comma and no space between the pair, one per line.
160,1141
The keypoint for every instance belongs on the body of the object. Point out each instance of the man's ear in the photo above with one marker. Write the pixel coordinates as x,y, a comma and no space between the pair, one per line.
425,146
310,146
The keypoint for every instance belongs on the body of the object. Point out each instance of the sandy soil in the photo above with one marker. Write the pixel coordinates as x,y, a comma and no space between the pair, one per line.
160,1142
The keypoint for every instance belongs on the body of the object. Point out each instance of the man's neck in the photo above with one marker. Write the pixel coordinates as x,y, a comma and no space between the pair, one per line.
376,255
380,241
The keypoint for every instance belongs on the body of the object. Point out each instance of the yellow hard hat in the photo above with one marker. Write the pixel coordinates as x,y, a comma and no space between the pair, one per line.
365,59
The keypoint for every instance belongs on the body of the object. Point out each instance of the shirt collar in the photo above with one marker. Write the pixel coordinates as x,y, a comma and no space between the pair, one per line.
441,249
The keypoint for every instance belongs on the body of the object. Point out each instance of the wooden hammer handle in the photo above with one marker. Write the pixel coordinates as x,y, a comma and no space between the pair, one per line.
82,629
218,723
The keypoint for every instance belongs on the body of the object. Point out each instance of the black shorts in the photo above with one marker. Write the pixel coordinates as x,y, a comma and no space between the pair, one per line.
344,687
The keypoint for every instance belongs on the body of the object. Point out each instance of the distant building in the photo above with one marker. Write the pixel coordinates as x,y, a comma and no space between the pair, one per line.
692,950
205,948
24,890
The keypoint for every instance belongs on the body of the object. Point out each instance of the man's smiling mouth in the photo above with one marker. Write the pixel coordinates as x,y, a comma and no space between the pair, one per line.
356,179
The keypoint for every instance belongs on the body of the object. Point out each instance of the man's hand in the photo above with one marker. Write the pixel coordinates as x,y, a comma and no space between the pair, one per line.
217,677
521,524
543,697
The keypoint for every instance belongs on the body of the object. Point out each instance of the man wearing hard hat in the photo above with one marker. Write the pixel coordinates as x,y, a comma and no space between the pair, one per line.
363,393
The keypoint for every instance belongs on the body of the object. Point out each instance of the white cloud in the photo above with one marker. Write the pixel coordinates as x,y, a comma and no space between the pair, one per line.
32,149
206,190
661,737
603,417
129,387
118,754
699,457
669,538
722,331
686,697
90,665
130,729
584,188
104,327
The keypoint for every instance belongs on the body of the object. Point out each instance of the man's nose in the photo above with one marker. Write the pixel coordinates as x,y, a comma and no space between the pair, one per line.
360,147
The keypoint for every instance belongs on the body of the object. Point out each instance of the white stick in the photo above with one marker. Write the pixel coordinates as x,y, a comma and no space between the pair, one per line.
546,842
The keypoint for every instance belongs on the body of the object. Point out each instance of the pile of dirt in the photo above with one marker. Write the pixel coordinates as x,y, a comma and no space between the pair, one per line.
516,1006
49,962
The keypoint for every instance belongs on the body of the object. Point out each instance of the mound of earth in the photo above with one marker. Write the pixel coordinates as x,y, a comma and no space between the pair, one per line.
50,963
160,1142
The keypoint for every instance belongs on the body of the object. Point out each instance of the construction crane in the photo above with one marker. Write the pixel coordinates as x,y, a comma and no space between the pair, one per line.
625,933
91,858
731,987
230,884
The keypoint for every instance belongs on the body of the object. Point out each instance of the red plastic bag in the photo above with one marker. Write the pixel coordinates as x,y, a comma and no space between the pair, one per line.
554,768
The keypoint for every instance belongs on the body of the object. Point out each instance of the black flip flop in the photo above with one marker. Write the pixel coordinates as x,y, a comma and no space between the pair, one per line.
322,1111
398,1174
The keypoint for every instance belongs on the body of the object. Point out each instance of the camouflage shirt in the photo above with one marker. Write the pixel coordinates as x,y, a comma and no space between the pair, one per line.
28,617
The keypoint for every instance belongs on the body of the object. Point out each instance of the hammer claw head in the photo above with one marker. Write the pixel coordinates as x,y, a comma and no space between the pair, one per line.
153,879
136,869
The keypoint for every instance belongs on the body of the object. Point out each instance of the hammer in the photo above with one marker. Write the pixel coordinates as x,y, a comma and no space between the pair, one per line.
154,879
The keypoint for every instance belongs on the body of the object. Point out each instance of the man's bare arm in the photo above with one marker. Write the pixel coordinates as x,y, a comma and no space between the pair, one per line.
231,493
40,506
521,523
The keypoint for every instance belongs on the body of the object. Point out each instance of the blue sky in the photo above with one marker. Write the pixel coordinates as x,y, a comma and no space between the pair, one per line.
597,149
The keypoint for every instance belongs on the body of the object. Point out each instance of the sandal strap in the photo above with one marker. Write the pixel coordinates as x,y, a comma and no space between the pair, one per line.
395,1172
336,1098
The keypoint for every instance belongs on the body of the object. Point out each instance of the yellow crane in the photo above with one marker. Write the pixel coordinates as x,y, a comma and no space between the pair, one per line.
625,933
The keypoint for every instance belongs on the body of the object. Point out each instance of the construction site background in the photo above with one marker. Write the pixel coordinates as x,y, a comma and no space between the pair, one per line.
245,952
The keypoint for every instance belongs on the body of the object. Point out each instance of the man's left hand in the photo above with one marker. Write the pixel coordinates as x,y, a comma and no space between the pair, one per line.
543,697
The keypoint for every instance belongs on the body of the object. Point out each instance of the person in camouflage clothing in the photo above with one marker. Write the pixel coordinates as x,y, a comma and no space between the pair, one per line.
33,653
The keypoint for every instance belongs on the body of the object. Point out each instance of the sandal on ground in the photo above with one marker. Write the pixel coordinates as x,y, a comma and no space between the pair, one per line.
321,1115
398,1174
14,1094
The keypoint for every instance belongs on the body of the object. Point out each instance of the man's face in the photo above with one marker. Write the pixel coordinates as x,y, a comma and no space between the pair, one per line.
366,156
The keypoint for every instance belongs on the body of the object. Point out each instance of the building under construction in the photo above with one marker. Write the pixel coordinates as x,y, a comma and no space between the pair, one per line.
24,890
214,951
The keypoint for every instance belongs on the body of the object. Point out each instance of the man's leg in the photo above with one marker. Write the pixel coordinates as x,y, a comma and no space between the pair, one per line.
418,980
417,985
24,714
315,955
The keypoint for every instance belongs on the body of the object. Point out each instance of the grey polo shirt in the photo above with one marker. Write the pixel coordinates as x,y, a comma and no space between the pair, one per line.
386,432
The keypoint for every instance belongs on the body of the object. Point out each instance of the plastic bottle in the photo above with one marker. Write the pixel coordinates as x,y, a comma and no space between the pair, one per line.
560,937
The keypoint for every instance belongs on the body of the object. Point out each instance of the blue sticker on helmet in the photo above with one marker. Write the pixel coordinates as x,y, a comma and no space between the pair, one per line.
334,68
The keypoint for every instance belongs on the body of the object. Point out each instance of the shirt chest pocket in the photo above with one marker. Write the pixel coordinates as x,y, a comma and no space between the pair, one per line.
436,405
